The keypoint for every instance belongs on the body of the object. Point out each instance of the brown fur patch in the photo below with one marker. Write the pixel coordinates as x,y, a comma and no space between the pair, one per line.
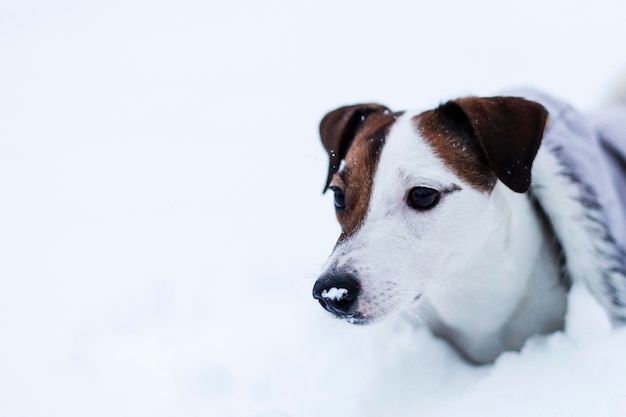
459,151
357,175
502,133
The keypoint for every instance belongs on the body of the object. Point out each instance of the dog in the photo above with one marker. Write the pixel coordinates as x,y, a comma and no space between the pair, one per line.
476,216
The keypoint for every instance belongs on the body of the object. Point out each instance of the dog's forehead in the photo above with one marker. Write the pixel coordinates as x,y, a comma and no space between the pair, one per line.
390,152
395,152
408,157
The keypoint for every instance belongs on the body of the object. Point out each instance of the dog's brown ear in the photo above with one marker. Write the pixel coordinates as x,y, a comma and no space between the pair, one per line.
339,127
508,129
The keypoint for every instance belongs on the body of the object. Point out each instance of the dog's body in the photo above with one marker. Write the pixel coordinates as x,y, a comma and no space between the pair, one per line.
436,221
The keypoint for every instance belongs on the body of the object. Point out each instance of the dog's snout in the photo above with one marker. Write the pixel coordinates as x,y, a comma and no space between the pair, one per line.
337,293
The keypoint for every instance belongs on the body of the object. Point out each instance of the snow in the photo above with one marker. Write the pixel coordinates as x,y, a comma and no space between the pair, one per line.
334,293
157,156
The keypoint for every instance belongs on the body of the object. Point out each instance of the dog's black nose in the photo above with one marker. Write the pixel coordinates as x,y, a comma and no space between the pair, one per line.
337,293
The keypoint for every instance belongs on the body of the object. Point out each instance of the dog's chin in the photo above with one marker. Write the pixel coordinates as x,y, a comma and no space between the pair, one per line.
361,319
358,319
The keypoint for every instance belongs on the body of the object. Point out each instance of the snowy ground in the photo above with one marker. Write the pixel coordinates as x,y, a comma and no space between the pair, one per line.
161,223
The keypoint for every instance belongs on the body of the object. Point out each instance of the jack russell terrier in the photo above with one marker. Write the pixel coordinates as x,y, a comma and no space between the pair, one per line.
440,217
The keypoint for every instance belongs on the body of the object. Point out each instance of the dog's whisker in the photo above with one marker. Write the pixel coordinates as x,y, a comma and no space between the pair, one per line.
413,318
428,311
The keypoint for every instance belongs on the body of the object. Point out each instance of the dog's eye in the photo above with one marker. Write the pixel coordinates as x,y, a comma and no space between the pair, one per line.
340,198
423,198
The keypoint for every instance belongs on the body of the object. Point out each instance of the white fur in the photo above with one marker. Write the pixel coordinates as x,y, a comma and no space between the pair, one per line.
479,268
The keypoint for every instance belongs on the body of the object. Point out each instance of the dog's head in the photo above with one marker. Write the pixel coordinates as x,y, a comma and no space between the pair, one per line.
412,193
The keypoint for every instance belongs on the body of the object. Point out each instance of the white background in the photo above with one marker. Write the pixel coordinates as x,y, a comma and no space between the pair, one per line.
161,222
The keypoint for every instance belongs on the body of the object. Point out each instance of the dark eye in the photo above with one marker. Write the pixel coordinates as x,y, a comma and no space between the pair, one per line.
423,198
340,198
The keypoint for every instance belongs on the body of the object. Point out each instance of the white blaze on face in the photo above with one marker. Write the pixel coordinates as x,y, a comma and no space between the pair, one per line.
398,251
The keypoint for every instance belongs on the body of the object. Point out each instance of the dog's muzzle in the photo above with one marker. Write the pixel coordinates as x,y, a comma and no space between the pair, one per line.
338,293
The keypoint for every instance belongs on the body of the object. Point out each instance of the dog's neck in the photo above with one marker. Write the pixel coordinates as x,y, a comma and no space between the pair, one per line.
505,288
